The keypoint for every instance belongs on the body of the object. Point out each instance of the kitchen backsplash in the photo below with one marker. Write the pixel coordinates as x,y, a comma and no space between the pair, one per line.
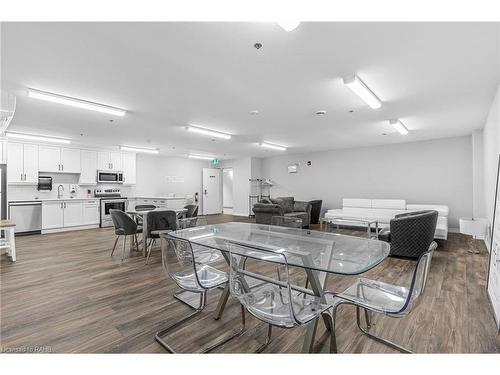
16,192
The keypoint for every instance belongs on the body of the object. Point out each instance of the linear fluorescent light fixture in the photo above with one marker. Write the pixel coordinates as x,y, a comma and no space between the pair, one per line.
139,149
40,138
359,88
212,133
74,102
289,25
272,146
399,126
202,157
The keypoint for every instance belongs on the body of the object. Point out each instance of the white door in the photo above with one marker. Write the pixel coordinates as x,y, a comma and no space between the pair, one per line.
30,157
212,194
129,168
52,215
15,168
103,163
88,174
115,159
91,212
70,160
73,213
49,159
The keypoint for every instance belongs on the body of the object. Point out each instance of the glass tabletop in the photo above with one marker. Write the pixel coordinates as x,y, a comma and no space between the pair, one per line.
321,251
142,212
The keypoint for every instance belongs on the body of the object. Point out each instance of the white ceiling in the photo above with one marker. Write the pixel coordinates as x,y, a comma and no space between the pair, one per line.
438,78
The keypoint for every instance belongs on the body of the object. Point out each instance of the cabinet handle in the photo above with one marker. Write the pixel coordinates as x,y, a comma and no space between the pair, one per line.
62,167
58,167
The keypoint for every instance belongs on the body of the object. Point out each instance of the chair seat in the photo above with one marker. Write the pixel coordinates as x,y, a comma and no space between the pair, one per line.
121,231
270,304
209,277
156,233
374,295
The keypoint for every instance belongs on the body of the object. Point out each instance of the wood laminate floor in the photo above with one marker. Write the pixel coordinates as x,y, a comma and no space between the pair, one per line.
65,294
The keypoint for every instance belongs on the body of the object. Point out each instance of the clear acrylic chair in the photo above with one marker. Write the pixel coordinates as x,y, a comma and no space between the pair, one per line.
274,301
191,222
391,300
183,265
285,221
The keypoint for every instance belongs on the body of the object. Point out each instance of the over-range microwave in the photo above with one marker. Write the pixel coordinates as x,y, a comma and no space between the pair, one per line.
107,177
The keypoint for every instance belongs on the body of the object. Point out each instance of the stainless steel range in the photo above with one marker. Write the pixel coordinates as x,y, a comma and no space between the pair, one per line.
111,199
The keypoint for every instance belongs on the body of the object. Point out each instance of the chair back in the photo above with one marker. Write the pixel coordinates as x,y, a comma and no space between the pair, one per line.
145,207
419,280
192,210
412,233
123,222
161,220
267,298
286,221
179,262
191,222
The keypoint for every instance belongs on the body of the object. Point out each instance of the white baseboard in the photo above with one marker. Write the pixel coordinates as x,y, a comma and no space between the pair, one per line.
68,229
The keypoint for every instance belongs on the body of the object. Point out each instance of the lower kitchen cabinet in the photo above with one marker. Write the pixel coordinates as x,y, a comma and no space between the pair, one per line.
52,215
70,213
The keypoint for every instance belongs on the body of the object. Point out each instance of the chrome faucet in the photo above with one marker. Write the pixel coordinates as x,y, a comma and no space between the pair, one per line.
60,191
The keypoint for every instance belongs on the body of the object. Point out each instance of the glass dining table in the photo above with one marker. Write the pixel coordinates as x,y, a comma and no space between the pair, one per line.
318,253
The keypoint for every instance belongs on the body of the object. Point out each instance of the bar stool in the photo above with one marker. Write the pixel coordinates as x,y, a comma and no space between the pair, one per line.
9,242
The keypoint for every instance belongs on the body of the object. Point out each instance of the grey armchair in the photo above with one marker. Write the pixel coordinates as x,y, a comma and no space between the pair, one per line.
410,234
282,206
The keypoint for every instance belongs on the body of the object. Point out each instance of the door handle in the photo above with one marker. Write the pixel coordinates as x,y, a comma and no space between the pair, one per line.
205,192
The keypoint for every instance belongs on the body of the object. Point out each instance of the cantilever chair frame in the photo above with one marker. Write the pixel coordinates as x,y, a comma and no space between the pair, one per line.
159,336
396,314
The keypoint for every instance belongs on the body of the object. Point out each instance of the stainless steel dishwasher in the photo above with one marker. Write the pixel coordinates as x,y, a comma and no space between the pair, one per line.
27,215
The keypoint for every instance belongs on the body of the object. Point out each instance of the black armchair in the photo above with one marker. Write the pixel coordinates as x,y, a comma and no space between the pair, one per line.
410,234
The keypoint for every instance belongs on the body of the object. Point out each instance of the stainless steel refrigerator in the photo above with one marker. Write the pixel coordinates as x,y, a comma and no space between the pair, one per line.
3,191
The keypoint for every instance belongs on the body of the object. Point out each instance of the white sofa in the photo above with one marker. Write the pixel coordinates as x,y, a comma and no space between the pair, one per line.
383,210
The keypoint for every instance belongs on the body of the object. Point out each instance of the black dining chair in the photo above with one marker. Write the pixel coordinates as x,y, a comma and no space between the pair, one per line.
192,210
160,221
124,226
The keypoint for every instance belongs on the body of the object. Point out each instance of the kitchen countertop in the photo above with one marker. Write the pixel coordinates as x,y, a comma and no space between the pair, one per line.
159,198
51,200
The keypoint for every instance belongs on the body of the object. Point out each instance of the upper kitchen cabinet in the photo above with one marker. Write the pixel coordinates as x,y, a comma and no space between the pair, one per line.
58,159
109,161
88,175
129,162
22,159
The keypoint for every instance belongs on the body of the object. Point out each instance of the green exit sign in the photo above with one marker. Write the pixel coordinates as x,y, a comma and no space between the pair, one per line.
215,161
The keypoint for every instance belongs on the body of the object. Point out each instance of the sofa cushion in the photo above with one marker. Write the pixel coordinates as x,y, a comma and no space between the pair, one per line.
299,215
397,204
265,200
440,208
352,202
286,203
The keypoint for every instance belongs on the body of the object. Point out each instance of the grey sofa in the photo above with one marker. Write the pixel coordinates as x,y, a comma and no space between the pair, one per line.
282,206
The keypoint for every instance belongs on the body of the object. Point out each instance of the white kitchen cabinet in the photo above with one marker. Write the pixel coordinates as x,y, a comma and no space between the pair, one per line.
109,161
70,160
91,212
49,158
88,174
73,213
129,162
52,215
58,159
22,159
3,148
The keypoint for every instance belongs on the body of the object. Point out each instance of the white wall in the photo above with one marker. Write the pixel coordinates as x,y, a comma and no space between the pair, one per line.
241,186
227,188
434,172
478,201
491,148
161,175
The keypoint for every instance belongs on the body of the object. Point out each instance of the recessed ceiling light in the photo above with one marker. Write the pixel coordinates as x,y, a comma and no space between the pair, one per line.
321,112
74,102
139,149
289,25
399,126
254,112
272,146
212,133
40,138
360,89
202,157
